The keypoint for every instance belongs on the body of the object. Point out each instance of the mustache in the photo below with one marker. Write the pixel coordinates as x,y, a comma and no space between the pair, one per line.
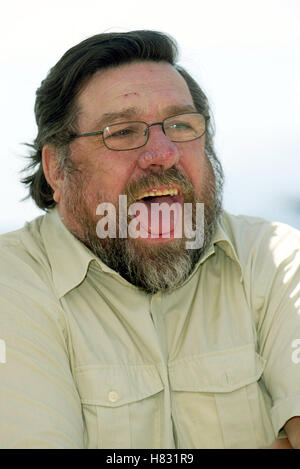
171,176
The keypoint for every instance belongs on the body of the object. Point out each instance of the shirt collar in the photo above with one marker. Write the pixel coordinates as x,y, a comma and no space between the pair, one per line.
70,259
223,239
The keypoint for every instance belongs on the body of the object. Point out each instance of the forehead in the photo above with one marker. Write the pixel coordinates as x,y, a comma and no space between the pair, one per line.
147,86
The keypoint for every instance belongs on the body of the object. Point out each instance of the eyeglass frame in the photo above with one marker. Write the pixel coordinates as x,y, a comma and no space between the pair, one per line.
101,132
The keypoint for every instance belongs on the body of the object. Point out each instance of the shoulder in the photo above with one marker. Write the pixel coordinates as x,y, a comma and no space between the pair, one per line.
26,285
22,253
269,257
255,238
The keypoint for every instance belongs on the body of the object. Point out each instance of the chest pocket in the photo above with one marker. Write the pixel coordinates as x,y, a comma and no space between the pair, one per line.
219,400
119,401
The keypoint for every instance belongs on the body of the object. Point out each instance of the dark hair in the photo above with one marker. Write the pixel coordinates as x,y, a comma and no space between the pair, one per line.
55,106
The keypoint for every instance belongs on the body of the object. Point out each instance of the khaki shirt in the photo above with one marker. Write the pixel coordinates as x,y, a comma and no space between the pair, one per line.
89,361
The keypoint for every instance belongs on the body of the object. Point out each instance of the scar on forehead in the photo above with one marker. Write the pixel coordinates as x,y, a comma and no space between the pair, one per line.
128,94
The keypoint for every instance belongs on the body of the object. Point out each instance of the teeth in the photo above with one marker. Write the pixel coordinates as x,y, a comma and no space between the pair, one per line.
156,193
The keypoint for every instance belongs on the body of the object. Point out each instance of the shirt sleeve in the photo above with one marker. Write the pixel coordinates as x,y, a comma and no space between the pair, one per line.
277,289
39,403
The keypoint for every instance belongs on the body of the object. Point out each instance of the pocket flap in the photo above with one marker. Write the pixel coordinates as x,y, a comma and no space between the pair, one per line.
114,386
222,371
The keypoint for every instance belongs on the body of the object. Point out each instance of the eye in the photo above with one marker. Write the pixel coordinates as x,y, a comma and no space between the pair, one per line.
179,125
121,131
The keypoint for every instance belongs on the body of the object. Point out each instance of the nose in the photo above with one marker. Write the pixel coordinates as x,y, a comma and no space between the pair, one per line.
159,153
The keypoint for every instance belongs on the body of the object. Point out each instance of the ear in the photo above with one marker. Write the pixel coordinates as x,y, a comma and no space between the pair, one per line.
53,174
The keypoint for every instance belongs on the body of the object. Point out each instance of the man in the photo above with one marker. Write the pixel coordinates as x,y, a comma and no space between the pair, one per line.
115,337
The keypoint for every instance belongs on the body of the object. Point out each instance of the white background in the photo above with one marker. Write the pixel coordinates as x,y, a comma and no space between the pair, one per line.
245,55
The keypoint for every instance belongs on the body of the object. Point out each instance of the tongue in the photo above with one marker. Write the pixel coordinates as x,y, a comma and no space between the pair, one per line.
161,223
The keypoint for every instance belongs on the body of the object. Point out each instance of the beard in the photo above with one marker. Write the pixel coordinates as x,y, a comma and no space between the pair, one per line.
152,267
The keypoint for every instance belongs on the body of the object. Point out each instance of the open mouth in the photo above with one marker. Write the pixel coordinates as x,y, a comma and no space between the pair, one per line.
159,221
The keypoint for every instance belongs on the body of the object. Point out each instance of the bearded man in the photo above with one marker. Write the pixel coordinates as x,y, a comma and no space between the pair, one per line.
140,339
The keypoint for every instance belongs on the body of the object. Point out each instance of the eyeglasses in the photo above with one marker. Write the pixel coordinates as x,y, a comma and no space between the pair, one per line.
135,134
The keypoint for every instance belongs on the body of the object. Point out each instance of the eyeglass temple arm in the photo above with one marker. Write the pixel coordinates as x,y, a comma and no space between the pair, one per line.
99,132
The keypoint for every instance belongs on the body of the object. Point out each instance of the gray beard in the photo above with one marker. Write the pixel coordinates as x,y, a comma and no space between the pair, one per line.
156,269
152,268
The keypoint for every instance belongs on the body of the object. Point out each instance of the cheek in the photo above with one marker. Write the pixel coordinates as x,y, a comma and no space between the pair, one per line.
107,178
195,164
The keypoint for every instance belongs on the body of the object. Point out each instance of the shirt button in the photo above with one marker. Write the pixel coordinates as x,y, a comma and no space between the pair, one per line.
113,396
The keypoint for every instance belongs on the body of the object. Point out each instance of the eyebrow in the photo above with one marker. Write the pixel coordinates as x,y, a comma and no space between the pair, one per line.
133,112
110,117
